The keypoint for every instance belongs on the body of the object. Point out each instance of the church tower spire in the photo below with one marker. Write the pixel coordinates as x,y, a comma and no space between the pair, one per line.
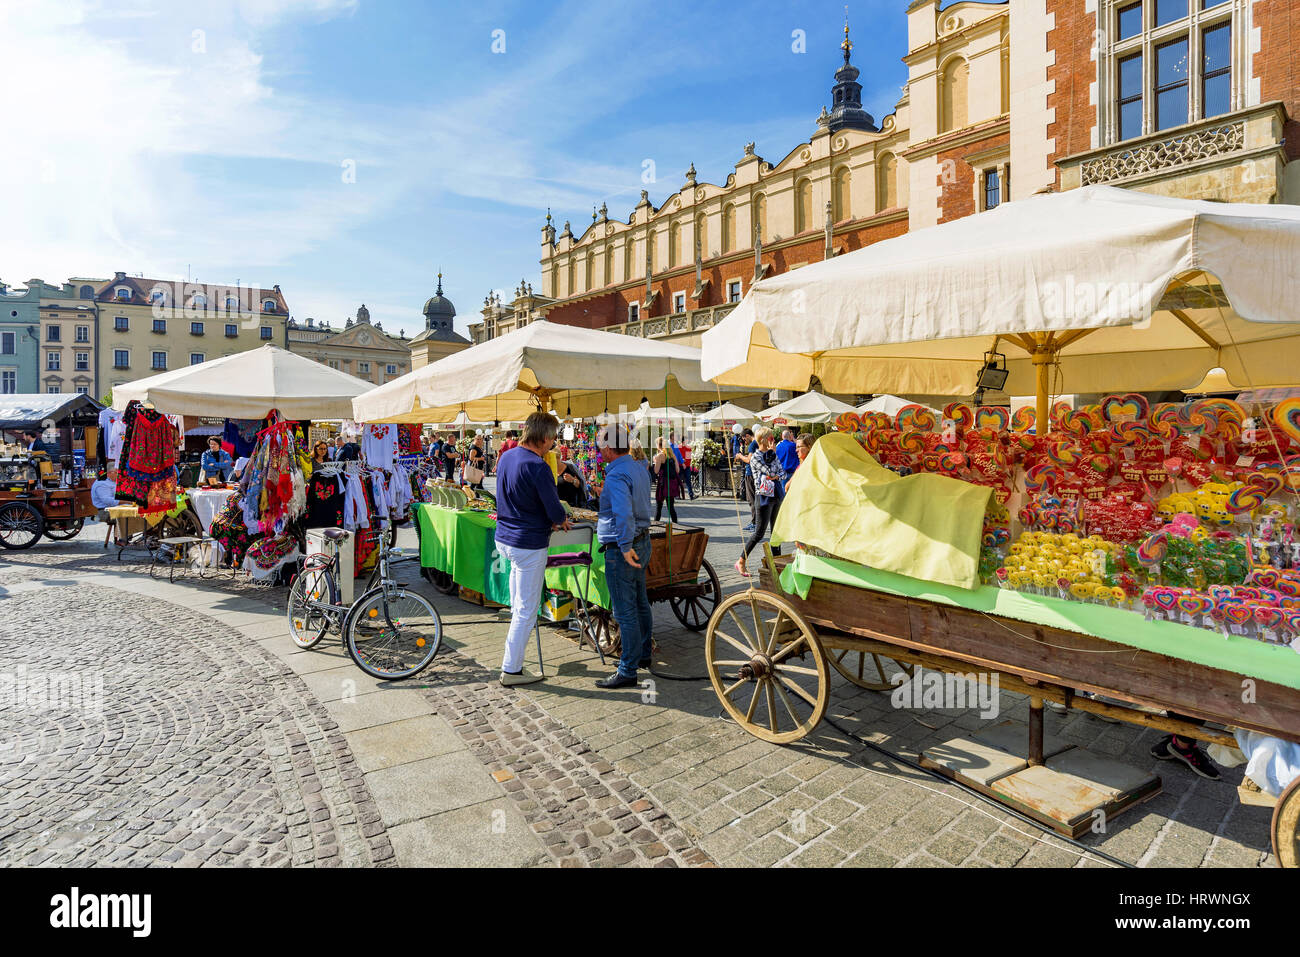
846,95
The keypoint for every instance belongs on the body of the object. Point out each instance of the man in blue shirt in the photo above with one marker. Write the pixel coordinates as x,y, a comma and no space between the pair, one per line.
623,530
787,453
528,510
683,473
217,461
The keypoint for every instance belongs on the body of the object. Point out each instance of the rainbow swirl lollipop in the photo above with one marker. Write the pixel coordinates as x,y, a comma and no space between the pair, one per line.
1063,452
915,418
1077,423
1164,421
1023,419
1130,433
960,413
911,443
1153,549
1251,496
1190,419
848,422
1286,416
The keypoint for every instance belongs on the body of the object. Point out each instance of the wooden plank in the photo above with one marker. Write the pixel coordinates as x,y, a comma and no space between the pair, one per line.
1049,656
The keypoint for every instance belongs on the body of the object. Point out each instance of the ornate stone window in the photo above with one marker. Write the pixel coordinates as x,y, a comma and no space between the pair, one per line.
803,206
842,201
886,182
1165,63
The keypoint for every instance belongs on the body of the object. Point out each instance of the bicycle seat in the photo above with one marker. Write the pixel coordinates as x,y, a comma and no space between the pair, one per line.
335,534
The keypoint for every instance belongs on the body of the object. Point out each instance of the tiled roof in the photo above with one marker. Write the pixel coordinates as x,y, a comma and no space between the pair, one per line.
142,287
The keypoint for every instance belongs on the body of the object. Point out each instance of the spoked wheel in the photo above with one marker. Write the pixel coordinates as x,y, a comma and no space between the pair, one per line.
21,526
600,627
868,670
1285,830
63,530
694,612
767,666
307,623
393,638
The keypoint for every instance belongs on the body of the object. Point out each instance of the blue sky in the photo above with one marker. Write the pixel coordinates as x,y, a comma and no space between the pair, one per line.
210,138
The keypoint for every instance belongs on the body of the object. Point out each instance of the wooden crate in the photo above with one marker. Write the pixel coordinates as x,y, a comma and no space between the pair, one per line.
676,560
477,597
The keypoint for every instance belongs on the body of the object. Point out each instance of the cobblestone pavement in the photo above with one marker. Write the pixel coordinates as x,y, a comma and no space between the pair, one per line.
172,740
696,784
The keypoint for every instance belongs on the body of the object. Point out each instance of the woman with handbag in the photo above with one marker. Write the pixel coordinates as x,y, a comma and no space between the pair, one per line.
475,464
768,478
664,472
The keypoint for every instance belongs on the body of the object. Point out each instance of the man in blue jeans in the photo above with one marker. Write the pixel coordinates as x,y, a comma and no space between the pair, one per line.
623,530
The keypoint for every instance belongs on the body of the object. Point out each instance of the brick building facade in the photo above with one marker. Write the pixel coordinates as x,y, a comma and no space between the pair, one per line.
1190,98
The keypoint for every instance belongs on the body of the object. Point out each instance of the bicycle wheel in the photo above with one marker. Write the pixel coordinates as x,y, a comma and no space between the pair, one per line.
308,623
394,637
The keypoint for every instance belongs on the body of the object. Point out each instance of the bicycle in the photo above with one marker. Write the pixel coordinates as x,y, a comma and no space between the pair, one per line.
390,633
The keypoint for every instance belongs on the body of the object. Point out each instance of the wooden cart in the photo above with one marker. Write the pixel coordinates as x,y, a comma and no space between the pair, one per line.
32,505
769,656
678,573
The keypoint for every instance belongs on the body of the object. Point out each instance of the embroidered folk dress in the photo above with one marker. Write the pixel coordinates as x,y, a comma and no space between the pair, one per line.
147,475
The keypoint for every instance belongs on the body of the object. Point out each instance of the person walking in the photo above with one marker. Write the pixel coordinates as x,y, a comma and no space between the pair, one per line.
681,454
623,530
749,447
788,453
528,510
665,470
476,464
768,476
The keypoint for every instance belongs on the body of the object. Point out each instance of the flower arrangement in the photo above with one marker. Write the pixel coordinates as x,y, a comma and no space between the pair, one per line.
709,452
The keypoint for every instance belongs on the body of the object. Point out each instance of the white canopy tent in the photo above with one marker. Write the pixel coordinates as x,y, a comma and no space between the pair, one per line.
575,371
1093,290
888,404
725,416
247,385
809,407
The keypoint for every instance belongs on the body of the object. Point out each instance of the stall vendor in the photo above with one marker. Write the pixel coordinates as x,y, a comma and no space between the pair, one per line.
217,462
32,441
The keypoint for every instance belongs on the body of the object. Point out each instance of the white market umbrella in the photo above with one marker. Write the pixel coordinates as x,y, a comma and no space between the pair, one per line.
248,385
1093,290
809,407
576,371
726,415
888,404
667,416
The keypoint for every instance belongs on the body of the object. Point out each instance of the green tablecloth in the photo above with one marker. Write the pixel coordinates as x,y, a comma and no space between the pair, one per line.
1236,654
462,543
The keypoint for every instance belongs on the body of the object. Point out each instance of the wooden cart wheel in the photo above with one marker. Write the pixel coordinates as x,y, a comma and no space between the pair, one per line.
694,612
1285,830
600,627
63,530
867,670
767,666
21,526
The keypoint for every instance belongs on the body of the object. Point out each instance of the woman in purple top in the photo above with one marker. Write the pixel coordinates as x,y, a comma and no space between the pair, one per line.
528,510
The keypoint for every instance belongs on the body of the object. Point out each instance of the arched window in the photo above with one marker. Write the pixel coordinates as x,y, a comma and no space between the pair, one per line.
199,301
886,181
728,228
87,292
701,237
629,255
843,206
554,291
609,263
569,291
158,296
803,206
268,305
675,244
652,250
760,215
952,109
590,275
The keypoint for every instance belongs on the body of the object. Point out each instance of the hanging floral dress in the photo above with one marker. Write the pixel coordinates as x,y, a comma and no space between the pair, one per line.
229,530
147,473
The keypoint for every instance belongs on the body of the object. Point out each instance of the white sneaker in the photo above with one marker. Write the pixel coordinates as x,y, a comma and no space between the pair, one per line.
525,677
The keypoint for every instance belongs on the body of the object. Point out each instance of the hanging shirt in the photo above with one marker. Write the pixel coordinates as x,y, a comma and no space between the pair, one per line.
355,513
116,436
379,446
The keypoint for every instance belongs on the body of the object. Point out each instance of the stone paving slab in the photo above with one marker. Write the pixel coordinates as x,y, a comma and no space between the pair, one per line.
400,742
490,834
416,789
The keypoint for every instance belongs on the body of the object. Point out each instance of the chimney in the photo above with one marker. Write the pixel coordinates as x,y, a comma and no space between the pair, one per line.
119,276
310,322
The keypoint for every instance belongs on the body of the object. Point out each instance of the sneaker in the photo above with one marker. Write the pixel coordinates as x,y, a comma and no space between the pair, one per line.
525,677
1192,756
749,528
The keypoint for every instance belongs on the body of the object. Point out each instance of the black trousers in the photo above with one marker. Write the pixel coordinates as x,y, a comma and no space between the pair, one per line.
766,519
